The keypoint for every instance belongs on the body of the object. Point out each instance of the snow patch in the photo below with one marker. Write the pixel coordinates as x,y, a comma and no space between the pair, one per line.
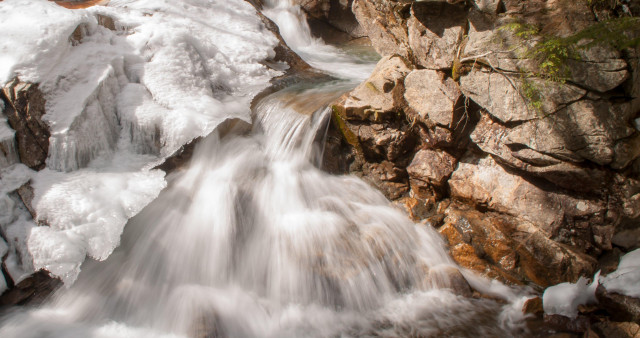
564,298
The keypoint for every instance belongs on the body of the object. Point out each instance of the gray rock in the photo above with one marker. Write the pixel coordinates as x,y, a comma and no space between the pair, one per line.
384,24
380,96
435,30
432,96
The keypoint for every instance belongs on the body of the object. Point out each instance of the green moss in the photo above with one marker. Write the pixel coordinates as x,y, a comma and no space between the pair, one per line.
348,135
371,86
551,53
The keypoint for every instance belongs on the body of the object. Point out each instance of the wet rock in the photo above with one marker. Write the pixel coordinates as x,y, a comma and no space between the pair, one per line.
33,290
283,52
24,107
449,277
510,249
378,98
620,307
435,31
533,306
432,96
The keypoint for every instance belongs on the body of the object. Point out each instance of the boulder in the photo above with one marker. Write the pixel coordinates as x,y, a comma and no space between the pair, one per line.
510,249
432,96
620,307
560,216
380,96
608,329
568,124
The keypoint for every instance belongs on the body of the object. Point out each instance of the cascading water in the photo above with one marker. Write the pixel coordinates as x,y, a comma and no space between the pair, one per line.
253,240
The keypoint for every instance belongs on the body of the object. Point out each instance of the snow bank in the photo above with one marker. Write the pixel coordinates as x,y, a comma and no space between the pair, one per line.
626,279
564,298
119,101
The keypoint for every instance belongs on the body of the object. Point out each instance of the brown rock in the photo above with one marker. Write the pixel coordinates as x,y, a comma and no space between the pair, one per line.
533,306
25,106
620,307
485,183
431,167
510,249
617,330
32,290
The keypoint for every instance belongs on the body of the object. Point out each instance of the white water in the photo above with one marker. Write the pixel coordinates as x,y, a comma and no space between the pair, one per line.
252,240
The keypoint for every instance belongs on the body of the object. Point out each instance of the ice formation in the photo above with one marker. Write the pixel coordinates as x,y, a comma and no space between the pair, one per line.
626,279
564,298
126,86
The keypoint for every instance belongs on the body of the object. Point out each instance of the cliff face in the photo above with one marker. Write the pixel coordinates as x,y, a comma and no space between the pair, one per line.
531,178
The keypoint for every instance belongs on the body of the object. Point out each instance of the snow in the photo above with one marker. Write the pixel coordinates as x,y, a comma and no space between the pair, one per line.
564,298
626,279
118,103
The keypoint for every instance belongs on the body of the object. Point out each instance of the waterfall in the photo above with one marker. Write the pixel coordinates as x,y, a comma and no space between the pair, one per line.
252,239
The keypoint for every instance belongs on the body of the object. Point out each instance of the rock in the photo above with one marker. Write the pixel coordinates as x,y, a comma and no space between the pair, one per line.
502,95
629,239
431,167
33,290
435,31
432,96
379,97
25,106
533,306
511,250
620,307
617,330
334,13
384,22
282,50
490,6
449,277
496,139
599,68
485,183
390,180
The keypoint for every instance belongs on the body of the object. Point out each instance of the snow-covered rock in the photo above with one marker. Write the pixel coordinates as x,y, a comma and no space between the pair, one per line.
126,85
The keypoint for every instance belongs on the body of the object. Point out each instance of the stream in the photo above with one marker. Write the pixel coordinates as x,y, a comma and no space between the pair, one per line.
252,239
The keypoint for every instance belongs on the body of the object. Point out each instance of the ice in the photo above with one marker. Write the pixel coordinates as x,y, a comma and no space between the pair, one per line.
117,103
8,151
15,222
626,279
564,298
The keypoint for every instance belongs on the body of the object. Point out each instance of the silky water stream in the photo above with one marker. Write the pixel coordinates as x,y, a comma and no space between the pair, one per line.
252,239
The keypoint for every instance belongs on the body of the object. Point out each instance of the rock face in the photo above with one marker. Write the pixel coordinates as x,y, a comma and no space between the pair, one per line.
528,178
24,107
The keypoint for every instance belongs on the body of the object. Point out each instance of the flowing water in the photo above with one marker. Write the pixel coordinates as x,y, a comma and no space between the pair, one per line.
253,240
